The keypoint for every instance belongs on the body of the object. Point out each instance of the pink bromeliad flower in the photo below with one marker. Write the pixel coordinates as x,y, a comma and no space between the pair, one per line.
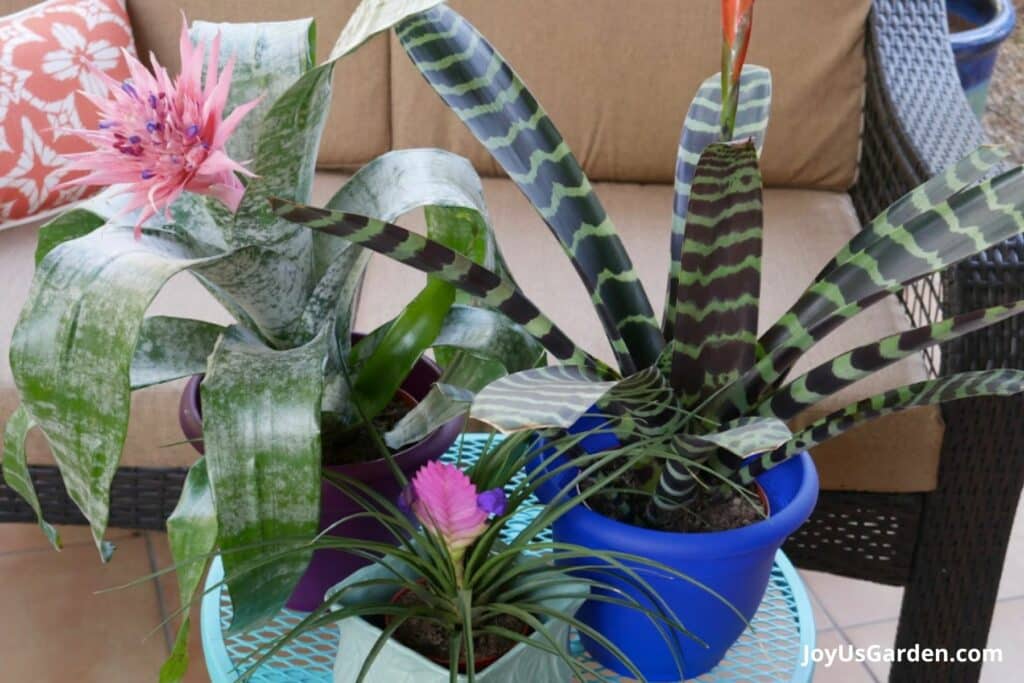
446,502
160,138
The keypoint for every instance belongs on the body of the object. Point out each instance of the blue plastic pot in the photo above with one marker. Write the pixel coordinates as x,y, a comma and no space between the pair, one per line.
976,49
735,564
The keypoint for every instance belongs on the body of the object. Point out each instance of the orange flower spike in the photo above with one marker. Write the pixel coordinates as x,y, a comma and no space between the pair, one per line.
737,18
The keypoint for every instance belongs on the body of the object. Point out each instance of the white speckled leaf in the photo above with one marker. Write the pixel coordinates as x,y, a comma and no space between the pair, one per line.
192,534
72,348
372,17
170,348
261,416
15,469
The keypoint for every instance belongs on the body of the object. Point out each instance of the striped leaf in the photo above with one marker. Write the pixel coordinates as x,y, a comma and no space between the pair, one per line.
969,222
261,432
554,396
487,95
742,438
700,129
847,368
930,392
715,327
435,259
14,468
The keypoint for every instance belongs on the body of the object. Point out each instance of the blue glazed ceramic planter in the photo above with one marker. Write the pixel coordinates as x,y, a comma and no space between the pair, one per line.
990,22
734,564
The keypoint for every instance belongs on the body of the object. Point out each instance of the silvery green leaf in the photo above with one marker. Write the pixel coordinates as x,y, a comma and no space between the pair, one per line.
171,348
15,468
554,396
372,17
261,416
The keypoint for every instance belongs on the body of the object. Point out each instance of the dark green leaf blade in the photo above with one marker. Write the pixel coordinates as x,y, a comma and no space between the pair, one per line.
715,326
262,440
483,90
65,227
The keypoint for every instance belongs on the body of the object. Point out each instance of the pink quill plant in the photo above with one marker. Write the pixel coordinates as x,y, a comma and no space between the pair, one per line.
160,138
446,502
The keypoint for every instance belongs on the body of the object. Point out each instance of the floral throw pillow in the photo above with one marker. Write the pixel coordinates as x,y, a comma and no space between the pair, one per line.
45,51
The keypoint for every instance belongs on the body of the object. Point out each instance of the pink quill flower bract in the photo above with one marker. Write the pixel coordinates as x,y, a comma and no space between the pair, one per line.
160,138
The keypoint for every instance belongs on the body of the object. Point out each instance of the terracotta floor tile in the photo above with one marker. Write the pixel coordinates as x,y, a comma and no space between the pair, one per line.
20,537
169,592
851,602
839,672
822,622
1007,634
882,634
53,627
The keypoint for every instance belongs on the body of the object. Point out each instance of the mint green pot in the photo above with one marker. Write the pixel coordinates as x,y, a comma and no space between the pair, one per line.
396,663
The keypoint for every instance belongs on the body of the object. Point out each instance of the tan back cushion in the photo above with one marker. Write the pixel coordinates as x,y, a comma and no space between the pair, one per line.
617,77
357,130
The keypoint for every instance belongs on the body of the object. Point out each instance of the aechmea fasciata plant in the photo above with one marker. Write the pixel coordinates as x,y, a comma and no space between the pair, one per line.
708,387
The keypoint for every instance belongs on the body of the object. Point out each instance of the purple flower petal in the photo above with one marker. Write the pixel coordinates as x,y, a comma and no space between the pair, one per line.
406,498
493,502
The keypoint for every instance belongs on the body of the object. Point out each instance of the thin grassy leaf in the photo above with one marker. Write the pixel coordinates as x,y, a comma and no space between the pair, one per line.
483,90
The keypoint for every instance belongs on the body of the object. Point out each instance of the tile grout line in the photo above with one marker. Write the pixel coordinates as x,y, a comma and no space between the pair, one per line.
160,601
839,629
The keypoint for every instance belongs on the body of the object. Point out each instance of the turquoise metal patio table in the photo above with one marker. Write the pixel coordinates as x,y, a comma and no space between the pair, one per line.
770,651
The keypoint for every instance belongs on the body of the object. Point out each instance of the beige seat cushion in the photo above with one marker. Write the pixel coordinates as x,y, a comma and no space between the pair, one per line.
617,77
803,229
358,128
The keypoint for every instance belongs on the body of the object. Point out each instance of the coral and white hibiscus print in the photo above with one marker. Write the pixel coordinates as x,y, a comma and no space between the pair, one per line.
45,51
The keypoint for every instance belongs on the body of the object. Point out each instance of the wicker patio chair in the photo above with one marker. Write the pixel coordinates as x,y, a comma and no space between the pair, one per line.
947,546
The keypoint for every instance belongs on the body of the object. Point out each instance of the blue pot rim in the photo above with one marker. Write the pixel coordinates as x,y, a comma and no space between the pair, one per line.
993,31
782,521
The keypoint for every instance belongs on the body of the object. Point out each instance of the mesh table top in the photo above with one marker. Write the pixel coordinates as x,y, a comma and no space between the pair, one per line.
770,651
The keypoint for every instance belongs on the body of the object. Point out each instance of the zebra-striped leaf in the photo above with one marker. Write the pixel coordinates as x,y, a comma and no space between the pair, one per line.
969,222
849,367
261,432
437,260
715,327
929,392
487,95
700,129
555,396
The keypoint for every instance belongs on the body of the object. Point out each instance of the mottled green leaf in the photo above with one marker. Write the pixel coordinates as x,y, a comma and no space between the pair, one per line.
171,348
487,95
192,534
15,469
373,16
67,226
73,345
261,417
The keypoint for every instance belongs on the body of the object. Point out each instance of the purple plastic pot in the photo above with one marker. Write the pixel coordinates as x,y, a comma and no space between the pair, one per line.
329,567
